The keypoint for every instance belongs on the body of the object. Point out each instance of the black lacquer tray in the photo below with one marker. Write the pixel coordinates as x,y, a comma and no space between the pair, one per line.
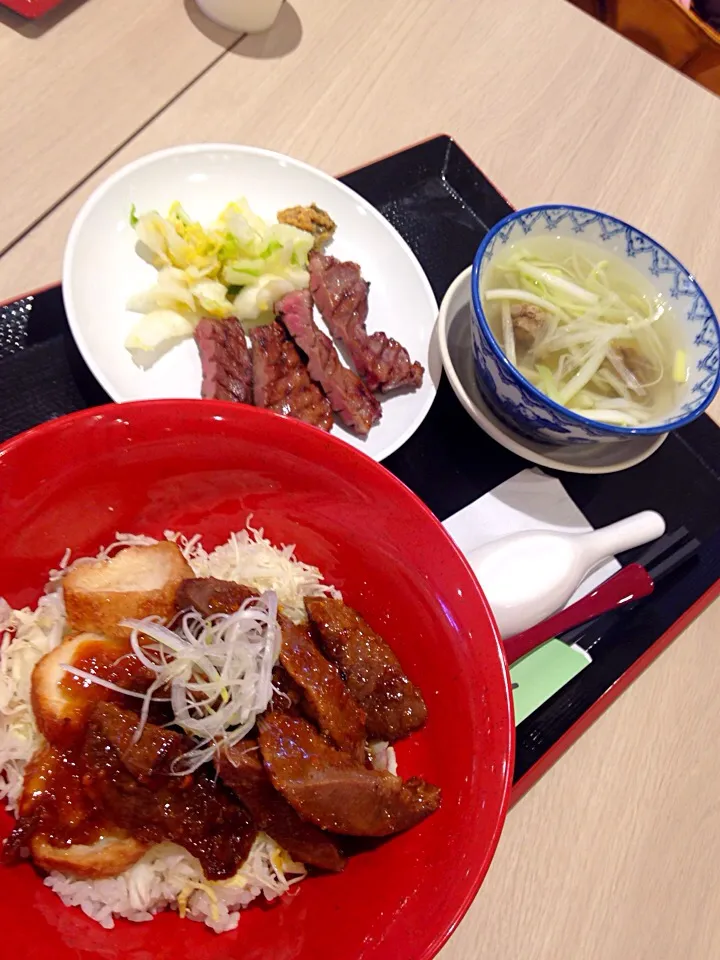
443,205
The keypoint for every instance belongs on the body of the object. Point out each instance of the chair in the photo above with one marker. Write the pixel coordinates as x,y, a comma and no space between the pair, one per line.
673,34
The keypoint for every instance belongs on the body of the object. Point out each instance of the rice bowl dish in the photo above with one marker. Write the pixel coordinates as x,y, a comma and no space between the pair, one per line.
206,467
166,876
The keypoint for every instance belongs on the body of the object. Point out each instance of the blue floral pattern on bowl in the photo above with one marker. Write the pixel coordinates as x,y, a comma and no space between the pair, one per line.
526,408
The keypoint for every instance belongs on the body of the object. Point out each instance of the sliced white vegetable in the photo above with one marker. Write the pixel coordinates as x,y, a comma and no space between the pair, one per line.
261,296
680,367
201,268
612,416
211,297
558,283
161,327
523,296
171,292
583,376
508,333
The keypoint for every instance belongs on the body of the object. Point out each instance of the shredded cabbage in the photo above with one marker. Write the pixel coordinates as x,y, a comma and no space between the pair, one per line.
249,557
237,268
25,637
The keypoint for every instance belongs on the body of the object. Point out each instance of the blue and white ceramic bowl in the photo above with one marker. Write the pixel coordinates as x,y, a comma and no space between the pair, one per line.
516,401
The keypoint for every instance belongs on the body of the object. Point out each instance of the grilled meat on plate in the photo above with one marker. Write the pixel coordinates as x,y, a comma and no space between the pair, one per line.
282,382
225,359
341,296
350,398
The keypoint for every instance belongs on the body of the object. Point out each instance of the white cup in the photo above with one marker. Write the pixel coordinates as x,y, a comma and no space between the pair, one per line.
243,16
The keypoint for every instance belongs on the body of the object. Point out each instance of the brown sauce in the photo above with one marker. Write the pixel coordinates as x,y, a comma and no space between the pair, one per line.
111,660
83,793
193,811
57,804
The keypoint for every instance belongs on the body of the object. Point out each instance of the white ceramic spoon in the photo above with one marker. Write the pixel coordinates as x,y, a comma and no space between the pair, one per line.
528,576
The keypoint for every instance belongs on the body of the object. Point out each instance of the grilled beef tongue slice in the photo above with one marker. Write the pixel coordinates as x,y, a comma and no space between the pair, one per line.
341,296
241,768
348,395
393,705
225,359
281,380
329,788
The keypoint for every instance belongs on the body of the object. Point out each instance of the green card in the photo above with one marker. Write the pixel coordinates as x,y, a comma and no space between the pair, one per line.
541,673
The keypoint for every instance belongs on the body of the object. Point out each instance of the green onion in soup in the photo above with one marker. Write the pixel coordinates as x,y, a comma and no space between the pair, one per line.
586,329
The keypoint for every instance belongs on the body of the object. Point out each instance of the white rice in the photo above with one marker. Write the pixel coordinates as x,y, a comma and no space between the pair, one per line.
382,756
166,876
169,877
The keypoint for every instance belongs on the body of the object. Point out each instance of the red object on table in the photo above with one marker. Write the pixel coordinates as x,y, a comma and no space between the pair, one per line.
32,9
204,466
630,583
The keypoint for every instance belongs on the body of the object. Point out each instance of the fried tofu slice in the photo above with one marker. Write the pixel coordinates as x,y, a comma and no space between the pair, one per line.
137,582
106,858
62,703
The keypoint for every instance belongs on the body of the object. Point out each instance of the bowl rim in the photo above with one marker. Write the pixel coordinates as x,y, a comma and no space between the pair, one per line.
611,429
214,410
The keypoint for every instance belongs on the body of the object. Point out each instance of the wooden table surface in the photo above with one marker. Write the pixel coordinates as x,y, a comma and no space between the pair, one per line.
613,855
78,84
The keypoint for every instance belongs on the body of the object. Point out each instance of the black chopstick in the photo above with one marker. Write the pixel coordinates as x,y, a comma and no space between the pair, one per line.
660,559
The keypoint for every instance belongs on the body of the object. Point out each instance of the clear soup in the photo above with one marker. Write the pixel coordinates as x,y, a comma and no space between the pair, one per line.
587,329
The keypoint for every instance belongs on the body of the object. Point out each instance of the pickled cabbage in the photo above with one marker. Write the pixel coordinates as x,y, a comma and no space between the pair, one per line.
236,268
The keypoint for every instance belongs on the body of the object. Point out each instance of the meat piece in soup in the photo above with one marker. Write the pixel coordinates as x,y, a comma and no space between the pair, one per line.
528,322
639,365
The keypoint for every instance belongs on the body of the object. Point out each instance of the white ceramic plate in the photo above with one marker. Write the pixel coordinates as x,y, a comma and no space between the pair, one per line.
455,344
101,270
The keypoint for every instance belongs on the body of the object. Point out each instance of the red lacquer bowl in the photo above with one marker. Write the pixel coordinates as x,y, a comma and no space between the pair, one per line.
32,9
203,466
